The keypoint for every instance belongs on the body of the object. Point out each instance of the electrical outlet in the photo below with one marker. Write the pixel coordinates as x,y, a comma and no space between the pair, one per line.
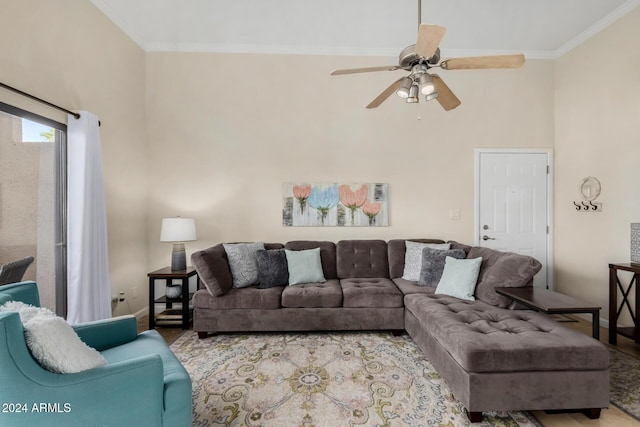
121,296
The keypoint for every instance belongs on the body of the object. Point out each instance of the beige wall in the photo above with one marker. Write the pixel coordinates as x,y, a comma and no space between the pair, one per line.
226,130
597,134
213,136
70,54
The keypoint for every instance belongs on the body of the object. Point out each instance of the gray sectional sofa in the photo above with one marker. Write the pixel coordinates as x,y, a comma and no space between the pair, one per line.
493,356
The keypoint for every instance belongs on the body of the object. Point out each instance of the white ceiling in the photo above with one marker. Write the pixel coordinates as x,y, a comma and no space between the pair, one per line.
537,28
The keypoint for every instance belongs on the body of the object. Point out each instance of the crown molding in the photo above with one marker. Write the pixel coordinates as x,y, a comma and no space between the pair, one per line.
130,31
597,27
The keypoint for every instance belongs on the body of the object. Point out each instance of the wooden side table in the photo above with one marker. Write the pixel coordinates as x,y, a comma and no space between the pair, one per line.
632,332
171,317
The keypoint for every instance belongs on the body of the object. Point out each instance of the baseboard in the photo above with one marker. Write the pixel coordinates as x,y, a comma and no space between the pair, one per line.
141,313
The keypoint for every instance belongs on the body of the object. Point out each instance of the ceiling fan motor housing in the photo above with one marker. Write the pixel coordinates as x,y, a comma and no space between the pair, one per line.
408,57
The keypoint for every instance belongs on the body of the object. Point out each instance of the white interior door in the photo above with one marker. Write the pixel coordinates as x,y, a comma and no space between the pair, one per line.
513,205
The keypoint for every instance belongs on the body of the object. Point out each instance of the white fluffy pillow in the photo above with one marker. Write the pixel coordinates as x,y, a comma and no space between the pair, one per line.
53,342
26,311
413,258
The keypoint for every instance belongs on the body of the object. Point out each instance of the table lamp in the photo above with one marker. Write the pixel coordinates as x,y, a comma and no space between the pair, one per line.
178,230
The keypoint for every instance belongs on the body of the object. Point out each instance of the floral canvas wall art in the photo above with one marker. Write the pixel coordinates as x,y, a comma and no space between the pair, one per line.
335,204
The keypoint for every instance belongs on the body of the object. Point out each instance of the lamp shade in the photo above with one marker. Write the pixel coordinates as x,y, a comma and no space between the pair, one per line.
178,230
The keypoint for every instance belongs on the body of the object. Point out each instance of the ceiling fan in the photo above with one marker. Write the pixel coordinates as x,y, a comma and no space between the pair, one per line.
421,57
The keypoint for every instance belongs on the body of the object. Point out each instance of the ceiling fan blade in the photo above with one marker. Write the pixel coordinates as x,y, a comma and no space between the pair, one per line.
498,61
386,93
446,98
364,70
429,37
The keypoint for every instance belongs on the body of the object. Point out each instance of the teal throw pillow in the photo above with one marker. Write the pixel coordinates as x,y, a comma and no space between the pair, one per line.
459,278
304,266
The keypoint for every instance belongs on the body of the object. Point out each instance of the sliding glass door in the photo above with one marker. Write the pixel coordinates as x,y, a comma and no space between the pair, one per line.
33,200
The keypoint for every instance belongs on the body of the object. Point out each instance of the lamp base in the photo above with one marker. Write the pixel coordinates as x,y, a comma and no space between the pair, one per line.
178,257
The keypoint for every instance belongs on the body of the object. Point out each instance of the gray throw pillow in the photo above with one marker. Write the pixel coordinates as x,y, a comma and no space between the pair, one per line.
243,262
413,258
433,264
272,268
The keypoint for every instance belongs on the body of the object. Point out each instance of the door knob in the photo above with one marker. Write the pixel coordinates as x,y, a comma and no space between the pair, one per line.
485,237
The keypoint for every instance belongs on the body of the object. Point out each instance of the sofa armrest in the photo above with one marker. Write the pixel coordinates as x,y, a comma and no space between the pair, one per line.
213,269
126,393
108,333
26,292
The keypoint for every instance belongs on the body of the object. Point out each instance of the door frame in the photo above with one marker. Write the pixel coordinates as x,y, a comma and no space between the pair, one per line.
476,198
60,214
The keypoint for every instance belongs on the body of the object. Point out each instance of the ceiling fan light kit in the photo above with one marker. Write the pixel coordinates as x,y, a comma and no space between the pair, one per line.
431,96
403,92
419,58
413,95
426,84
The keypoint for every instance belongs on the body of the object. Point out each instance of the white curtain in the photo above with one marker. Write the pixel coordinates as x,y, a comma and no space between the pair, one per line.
88,284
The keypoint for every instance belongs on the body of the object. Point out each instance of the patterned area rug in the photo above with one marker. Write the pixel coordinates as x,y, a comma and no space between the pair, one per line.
316,380
625,382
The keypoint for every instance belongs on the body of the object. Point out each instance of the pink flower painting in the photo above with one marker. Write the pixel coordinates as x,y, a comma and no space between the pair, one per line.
353,199
301,193
335,204
371,209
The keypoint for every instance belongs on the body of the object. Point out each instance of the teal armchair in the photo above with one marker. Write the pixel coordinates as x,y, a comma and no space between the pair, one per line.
143,383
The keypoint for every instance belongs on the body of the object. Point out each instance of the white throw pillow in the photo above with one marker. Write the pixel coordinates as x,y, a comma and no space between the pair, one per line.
53,342
413,258
459,278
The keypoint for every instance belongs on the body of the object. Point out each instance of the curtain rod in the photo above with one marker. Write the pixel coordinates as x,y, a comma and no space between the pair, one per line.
35,98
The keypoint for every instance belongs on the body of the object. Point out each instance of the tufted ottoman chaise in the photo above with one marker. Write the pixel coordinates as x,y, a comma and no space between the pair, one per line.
496,359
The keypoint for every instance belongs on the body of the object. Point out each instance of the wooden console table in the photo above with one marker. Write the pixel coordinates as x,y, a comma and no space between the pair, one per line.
550,302
632,332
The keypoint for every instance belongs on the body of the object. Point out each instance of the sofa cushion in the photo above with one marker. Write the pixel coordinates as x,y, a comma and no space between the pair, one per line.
304,266
505,269
213,269
243,262
327,254
308,295
272,268
362,258
396,252
370,293
408,287
459,278
249,297
433,264
484,338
